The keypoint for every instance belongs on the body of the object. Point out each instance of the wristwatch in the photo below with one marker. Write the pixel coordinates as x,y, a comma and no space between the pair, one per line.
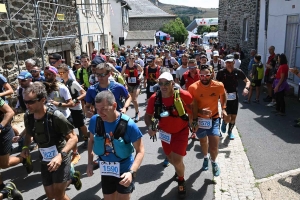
133,173
247,88
63,154
60,104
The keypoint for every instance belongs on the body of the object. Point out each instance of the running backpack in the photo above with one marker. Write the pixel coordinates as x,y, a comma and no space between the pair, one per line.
69,85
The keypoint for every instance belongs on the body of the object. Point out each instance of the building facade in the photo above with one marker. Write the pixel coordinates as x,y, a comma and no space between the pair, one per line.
238,24
280,27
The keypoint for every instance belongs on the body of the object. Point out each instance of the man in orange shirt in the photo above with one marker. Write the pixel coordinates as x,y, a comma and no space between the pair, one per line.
163,105
206,94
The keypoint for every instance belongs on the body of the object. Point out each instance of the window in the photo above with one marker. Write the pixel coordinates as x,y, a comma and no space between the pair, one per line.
246,29
225,25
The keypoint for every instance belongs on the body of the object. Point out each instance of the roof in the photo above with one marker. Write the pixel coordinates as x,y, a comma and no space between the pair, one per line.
141,35
145,8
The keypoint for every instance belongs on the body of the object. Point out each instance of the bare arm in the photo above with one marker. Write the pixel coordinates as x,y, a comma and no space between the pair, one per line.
72,140
140,151
123,70
82,96
128,101
8,114
8,90
223,100
141,71
148,119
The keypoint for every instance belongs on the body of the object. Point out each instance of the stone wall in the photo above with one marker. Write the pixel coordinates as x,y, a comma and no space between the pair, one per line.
24,25
235,11
151,23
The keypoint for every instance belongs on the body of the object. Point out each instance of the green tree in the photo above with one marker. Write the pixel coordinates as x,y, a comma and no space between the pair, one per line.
185,20
202,29
213,28
176,29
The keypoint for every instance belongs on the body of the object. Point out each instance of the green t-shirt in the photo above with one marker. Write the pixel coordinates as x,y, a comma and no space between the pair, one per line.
85,77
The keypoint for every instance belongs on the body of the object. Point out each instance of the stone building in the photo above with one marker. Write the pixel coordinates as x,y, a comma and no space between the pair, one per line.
29,29
238,24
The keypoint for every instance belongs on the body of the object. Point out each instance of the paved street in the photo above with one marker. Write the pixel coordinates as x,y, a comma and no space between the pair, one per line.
153,181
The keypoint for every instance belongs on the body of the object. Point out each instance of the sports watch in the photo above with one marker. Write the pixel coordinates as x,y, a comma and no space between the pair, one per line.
60,104
63,154
133,173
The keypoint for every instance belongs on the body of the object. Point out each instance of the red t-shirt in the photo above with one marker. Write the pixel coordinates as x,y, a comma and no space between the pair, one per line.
270,58
171,124
189,80
282,69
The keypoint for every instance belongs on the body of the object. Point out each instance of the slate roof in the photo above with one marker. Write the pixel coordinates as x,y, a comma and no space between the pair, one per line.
145,8
141,35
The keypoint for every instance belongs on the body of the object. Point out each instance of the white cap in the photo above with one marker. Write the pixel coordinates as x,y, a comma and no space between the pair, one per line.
215,53
166,75
229,60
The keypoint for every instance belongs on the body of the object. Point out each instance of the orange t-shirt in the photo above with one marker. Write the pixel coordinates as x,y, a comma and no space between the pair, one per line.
171,124
207,96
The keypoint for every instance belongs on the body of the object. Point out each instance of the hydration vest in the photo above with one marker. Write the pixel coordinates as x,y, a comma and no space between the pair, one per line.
169,63
21,100
69,85
132,72
50,136
156,73
122,149
178,106
219,64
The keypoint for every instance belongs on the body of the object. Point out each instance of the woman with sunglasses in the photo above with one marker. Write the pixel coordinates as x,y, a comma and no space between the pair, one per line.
133,73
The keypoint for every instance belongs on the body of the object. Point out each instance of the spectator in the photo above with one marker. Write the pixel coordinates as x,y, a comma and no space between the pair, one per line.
267,79
94,53
252,54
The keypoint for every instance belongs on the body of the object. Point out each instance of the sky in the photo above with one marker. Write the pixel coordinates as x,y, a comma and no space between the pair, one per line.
194,3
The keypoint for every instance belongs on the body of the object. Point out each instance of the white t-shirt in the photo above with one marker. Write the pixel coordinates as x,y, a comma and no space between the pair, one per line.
62,95
237,63
166,64
215,65
76,87
180,71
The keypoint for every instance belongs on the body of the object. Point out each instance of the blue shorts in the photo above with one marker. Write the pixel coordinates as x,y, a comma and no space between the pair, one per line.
213,131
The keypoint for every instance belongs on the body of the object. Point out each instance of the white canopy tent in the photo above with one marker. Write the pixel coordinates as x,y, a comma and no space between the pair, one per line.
207,37
202,22
160,33
194,36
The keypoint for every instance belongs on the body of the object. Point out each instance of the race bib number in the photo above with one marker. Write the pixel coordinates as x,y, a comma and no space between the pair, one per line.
48,153
163,136
205,123
151,88
109,168
131,79
231,96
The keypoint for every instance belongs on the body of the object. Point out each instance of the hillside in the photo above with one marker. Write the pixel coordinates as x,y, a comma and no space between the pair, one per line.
185,11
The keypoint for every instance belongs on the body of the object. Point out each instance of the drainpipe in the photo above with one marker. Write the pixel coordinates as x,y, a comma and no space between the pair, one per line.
13,35
255,30
102,21
79,29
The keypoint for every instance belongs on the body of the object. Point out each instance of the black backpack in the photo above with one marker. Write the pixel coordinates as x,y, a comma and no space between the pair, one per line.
69,84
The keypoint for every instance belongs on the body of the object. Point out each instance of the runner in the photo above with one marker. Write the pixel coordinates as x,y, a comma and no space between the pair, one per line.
183,68
168,106
103,72
133,74
152,74
55,137
190,76
84,72
108,128
36,74
230,77
216,62
77,94
170,62
206,94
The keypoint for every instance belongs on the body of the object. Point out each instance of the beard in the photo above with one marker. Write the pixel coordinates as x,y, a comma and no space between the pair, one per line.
205,82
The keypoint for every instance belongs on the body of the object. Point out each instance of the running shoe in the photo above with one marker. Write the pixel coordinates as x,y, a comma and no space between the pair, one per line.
215,168
76,180
223,127
273,103
246,101
181,189
205,164
75,158
137,117
255,101
13,192
231,135
166,163
27,163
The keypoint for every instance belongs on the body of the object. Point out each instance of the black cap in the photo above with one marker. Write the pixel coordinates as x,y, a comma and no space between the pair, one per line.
97,60
55,56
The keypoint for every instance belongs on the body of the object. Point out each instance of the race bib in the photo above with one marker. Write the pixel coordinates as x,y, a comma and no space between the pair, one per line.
163,136
131,79
151,88
48,153
231,96
109,168
204,123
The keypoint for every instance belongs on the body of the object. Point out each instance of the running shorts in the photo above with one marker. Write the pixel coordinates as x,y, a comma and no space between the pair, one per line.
6,137
110,184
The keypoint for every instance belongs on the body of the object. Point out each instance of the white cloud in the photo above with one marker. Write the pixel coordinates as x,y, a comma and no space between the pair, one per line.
193,3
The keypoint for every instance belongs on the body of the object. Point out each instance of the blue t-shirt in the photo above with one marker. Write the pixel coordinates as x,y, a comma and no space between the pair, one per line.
132,134
117,89
178,52
119,68
41,79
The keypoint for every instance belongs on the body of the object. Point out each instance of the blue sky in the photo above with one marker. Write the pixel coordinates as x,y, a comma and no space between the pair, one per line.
194,3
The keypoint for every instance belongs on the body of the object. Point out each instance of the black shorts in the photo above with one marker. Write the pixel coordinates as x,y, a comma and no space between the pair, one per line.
6,137
256,83
232,107
61,175
78,118
110,184
149,94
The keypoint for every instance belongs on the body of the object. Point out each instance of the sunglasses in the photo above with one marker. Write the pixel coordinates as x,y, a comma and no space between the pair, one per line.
22,80
192,67
61,73
102,75
34,71
131,58
167,83
52,63
30,102
204,66
205,75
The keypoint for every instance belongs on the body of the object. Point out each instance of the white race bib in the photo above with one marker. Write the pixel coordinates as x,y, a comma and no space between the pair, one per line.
163,136
48,153
131,79
231,96
109,168
204,123
151,88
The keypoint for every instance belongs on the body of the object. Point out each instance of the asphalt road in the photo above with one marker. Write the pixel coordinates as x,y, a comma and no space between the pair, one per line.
271,142
153,180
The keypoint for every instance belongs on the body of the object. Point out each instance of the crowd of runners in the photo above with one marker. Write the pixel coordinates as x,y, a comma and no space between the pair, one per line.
182,85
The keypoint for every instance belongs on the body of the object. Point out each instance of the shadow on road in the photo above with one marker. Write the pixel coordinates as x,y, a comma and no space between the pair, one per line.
90,193
292,182
149,173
